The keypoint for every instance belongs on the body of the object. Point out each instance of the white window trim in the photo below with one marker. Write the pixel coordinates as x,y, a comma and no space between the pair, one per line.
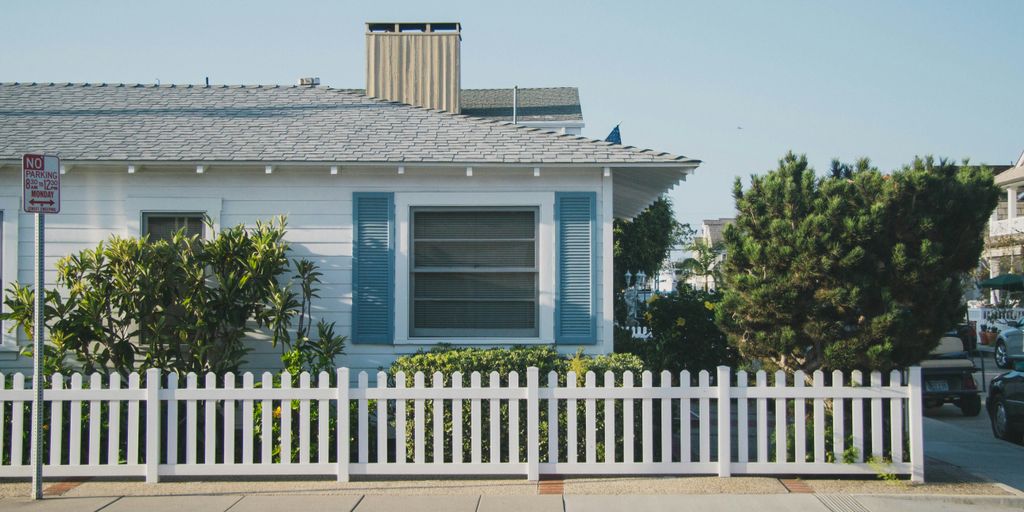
136,207
545,204
11,207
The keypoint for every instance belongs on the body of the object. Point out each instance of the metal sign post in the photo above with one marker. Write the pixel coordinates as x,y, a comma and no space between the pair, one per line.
40,176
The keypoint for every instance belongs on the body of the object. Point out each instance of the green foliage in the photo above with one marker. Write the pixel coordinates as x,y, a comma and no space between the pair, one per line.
644,242
182,305
447,360
304,353
684,335
856,270
703,262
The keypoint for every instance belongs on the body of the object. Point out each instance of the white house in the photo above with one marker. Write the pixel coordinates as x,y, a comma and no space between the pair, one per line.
503,230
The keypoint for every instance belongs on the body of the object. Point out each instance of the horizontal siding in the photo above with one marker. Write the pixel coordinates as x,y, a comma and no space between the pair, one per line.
319,211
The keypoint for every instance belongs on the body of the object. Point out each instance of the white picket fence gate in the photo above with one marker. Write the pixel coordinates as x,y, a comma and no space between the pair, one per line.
155,427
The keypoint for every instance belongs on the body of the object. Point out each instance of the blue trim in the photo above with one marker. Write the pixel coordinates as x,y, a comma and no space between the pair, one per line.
384,338
591,337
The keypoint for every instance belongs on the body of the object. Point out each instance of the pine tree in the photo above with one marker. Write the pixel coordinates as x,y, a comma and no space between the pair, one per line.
856,270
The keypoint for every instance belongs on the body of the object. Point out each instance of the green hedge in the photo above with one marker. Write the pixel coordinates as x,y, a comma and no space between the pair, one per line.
448,360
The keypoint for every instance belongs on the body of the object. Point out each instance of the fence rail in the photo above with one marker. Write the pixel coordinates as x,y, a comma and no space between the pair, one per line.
153,425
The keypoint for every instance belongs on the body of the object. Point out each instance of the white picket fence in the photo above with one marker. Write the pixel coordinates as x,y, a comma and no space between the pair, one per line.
157,427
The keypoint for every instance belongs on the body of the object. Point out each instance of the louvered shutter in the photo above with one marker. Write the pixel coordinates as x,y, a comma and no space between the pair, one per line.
575,268
373,267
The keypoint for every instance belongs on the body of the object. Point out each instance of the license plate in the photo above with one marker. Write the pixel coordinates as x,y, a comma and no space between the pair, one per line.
936,385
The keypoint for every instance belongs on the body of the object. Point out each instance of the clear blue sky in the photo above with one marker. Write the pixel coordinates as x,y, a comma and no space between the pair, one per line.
883,79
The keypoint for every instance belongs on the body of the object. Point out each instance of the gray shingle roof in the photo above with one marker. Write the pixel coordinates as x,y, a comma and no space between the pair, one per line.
273,124
535,103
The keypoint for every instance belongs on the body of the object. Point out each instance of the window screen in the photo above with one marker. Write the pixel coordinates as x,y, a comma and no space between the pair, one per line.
162,226
474,273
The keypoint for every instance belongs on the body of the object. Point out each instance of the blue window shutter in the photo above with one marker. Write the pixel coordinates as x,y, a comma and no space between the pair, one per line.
576,267
373,267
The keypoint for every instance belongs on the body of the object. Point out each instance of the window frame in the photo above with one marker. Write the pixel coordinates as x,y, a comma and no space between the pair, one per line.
544,201
147,215
420,334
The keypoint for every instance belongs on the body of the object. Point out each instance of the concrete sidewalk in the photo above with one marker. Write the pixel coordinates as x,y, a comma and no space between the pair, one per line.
551,503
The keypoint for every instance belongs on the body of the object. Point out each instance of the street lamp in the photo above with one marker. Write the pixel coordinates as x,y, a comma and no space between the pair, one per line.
636,292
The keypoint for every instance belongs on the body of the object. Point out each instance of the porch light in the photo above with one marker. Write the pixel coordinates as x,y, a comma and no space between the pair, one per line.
629,278
641,280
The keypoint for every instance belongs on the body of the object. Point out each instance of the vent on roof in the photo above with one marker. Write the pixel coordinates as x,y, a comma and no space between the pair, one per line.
414,63
312,81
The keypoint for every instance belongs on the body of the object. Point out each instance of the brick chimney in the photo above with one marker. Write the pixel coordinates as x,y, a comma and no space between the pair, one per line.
414,63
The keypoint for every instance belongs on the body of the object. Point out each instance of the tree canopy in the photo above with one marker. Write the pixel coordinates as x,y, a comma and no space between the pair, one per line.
644,242
855,270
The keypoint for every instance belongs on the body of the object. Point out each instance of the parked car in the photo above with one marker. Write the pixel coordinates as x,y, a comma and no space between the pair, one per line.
948,375
1009,343
1006,402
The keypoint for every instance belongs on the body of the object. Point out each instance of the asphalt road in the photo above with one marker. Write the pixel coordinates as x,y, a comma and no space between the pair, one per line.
969,443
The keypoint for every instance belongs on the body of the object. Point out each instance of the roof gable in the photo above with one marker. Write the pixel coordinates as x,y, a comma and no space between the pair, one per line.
275,123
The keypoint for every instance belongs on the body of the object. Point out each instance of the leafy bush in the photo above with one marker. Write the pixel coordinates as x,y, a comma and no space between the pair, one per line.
447,360
181,305
684,335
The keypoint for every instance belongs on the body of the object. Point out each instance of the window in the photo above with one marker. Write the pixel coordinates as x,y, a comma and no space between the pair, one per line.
162,226
474,272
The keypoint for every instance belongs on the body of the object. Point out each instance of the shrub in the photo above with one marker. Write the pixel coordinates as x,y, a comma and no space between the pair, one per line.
684,335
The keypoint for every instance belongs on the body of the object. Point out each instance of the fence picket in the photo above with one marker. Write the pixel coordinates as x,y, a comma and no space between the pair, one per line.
647,418
877,433
56,420
513,420
628,418
762,418
666,418
18,432
799,419
896,419
172,420
838,417
419,454
362,421
75,427
210,422
248,422
95,417
742,432
114,423
474,420
552,418
382,420
780,419
572,444
304,421
458,455
401,434
3,423
437,419
590,426
323,416
133,423
285,410
191,421
494,417
267,427
705,418
344,416
685,418
229,422
857,380
819,419
609,420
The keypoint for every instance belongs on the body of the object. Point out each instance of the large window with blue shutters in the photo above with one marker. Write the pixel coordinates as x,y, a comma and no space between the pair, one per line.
473,272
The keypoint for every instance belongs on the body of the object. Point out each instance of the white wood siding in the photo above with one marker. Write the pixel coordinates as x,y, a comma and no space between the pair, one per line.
99,202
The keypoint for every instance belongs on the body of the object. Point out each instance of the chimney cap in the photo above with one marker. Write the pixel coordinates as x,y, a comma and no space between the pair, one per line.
312,81
423,27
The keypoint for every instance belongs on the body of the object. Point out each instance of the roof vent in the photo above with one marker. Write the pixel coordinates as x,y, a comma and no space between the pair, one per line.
414,63
312,81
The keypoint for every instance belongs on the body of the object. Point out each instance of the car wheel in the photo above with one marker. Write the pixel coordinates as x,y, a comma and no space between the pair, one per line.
970,405
1001,357
1001,427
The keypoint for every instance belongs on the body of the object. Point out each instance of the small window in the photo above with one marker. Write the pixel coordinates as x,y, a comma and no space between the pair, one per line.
162,226
474,273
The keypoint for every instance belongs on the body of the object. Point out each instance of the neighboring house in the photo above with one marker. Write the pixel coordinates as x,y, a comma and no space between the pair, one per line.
711,233
503,231
1006,226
